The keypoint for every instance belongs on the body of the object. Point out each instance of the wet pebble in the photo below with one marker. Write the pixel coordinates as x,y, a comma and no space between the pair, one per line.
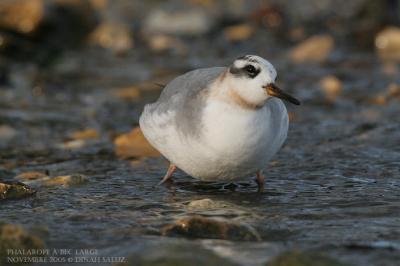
204,204
65,181
15,190
180,22
315,49
89,133
164,42
134,144
23,16
112,35
239,32
130,93
201,227
31,176
387,43
332,87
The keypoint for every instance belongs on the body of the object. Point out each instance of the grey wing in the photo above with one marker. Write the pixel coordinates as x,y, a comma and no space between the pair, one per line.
182,100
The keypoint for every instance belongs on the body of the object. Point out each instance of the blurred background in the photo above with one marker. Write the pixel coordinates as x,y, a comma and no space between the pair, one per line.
75,75
96,61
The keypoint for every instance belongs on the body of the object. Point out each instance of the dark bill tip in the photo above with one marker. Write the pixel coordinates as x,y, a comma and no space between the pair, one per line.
275,91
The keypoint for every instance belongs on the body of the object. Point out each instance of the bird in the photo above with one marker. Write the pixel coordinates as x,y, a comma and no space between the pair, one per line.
220,123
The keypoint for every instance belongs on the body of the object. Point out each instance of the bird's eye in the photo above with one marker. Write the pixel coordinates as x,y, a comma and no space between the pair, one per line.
250,69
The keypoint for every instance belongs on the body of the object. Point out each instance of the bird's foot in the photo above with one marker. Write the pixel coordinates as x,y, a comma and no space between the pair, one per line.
168,175
260,180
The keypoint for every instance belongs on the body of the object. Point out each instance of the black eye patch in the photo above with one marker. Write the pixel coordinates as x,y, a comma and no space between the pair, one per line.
248,70
251,71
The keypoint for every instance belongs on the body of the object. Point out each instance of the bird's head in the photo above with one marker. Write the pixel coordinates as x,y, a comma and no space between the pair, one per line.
251,79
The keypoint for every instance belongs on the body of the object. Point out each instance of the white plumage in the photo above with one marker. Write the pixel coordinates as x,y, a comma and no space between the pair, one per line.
219,124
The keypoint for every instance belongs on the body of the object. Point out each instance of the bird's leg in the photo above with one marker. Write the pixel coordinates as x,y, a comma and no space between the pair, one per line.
260,181
168,175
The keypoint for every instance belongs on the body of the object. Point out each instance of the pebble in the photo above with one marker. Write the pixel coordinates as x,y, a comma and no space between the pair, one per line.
315,49
188,22
387,43
239,32
112,35
134,144
130,93
65,181
164,42
201,227
14,190
391,93
89,133
331,87
31,176
73,144
204,204
23,16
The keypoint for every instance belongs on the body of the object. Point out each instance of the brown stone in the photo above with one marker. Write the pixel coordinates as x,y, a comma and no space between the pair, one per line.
89,133
239,32
134,144
65,181
30,176
112,35
127,93
201,227
315,49
331,87
15,190
387,43
22,16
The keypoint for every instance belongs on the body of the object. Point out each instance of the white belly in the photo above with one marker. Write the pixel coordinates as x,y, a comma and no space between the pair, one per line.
234,142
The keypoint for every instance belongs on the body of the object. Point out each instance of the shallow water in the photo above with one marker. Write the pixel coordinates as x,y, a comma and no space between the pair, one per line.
334,187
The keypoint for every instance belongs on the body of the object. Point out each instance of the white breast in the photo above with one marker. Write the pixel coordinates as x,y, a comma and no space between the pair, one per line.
234,142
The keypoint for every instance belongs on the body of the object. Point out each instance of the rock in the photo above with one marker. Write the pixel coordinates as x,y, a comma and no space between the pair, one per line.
391,93
175,255
187,22
300,258
201,227
204,204
31,176
387,43
15,190
112,35
89,133
7,133
73,144
65,181
163,42
13,237
331,87
130,93
23,16
134,144
315,49
239,32
44,27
